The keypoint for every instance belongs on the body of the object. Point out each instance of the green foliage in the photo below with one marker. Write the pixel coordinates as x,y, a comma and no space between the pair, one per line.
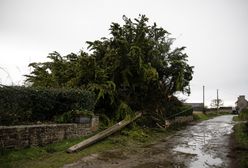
123,111
50,149
134,69
241,135
186,110
66,117
169,110
15,105
25,104
243,116
241,143
216,103
137,134
199,116
71,115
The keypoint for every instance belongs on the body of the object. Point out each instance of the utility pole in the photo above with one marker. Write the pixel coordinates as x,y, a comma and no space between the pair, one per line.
217,100
203,108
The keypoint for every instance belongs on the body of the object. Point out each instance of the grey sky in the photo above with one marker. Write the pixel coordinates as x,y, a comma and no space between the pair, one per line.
214,32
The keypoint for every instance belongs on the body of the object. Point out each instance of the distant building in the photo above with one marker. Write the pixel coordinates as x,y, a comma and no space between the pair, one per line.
241,103
196,106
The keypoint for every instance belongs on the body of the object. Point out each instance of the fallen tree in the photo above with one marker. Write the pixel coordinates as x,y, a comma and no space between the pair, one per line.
102,135
135,68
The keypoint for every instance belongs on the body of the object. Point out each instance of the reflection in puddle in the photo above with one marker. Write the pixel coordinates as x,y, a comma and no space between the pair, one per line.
202,143
202,160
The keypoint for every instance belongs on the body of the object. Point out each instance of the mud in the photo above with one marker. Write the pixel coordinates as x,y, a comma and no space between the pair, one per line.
204,145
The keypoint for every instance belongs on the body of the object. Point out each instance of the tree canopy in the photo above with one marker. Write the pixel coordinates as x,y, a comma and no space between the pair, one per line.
216,103
134,69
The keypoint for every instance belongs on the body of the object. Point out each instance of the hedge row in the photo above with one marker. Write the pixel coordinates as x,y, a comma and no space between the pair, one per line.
243,115
27,104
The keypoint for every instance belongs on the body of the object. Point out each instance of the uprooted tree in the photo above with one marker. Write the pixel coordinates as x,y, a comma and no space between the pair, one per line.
134,69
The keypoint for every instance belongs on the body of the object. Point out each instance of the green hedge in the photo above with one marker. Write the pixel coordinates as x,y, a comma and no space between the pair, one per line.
27,104
185,110
243,115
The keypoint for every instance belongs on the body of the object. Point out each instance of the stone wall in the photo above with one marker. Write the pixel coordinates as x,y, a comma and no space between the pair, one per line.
38,135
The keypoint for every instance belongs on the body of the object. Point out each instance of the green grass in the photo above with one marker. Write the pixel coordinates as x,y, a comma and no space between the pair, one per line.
241,135
199,116
241,144
241,138
54,155
39,156
243,116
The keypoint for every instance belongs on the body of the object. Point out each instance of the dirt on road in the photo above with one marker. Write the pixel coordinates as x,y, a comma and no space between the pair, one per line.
202,145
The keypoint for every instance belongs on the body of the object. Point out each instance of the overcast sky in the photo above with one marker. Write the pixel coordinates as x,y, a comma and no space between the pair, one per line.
215,33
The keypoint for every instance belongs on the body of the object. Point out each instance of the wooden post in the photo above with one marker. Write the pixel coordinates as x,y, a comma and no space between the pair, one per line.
203,108
217,100
101,135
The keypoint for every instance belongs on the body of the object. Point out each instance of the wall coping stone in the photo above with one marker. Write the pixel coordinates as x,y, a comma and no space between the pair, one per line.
38,125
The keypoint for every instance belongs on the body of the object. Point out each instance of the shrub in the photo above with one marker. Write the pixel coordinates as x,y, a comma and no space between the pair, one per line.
25,104
170,110
243,115
15,105
185,110
71,115
241,144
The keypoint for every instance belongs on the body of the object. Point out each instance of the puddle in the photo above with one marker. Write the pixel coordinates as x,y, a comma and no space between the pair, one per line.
201,159
204,143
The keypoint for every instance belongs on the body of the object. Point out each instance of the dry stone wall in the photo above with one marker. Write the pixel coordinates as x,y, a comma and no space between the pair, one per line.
38,135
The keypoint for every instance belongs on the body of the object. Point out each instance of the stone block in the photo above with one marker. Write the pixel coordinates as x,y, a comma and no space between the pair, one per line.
39,135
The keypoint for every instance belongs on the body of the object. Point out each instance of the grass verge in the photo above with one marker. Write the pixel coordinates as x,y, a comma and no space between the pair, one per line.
243,116
199,116
54,155
241,144
240,137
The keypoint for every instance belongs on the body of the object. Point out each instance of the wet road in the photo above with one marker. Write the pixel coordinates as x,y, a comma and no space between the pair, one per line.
203,145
